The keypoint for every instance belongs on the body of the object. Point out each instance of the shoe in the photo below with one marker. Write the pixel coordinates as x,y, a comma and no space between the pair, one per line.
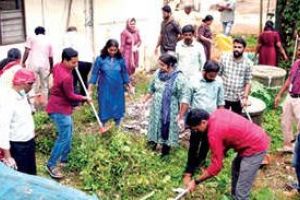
62,164
165,150
152,145
55,172
291,186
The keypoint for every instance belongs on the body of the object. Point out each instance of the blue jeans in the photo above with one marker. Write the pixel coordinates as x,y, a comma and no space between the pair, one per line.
296,158
227,27
63,143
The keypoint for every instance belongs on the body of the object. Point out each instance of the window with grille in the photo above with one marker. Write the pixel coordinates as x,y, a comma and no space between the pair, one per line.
12,22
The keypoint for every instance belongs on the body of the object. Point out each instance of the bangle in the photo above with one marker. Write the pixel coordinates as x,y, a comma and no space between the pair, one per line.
198,181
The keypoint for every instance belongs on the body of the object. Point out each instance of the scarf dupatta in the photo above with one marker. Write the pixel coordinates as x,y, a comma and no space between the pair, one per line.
166,102
8,66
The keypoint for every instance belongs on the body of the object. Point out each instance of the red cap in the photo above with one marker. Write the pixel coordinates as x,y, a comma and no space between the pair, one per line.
23,76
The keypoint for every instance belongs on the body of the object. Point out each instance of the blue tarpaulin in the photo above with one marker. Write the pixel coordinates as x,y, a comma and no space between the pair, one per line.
19,186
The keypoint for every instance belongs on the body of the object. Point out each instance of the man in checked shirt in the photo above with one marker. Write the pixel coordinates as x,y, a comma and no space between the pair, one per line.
236,72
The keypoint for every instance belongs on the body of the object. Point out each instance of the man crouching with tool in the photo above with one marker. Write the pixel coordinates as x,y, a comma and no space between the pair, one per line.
226,130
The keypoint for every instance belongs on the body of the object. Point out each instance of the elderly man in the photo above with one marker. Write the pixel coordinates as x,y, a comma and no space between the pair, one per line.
236,72
187,15
190,53
17,126
226,130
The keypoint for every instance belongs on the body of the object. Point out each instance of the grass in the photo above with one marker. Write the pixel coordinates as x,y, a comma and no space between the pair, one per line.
119,166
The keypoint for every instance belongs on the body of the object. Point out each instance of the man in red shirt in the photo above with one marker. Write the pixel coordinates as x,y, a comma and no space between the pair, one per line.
60,109
226,130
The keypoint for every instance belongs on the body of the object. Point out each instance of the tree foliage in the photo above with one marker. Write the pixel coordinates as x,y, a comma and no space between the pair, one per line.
288,24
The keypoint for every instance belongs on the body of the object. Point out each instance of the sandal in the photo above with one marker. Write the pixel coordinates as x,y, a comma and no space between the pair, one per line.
55,172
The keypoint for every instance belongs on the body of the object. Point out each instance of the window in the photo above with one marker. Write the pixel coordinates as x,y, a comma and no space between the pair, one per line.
12,22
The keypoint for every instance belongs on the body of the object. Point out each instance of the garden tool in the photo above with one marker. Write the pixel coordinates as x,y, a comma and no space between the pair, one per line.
295,48
148,196
182,193
245,110
102,129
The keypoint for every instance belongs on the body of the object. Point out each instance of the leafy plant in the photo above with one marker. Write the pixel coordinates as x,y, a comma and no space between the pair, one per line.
266,94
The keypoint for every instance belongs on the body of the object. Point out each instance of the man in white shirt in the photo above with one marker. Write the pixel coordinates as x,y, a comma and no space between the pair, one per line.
17,126
190,53
75,40
187,16
227,9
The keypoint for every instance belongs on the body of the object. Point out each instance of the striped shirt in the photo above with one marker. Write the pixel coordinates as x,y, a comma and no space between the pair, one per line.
235,74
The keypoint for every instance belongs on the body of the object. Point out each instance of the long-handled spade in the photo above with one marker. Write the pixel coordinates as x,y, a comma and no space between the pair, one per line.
182,193
102,129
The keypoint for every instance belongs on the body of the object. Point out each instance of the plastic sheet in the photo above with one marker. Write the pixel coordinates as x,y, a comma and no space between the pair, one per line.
18,186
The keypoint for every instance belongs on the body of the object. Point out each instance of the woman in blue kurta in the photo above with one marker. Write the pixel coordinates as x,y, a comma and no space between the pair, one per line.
110,73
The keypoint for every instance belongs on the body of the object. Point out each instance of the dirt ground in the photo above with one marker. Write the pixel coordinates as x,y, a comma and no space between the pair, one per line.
247,16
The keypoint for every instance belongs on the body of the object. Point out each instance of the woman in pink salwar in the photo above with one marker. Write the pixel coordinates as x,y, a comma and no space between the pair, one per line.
130,42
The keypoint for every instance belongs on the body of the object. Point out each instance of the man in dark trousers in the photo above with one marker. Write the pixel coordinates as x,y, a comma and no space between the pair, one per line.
169,32
225,130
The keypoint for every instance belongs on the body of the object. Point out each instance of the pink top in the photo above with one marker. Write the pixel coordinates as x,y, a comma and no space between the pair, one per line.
40,51
295,77
62,92
229,130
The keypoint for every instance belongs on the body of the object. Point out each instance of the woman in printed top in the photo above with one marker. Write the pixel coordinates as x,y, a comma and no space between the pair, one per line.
109,72
167,89
130,43
60,108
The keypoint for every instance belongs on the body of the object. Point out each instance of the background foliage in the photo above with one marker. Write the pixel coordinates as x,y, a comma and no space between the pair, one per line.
288,23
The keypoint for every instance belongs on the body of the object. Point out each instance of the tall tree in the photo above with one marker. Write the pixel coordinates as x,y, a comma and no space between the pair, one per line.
288,23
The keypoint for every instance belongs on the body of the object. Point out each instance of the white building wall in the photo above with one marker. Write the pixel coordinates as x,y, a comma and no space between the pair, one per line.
109,20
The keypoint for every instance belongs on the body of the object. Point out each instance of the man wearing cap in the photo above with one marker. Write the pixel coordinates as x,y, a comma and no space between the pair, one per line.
227,130
190,53
17,126
169,32
205,91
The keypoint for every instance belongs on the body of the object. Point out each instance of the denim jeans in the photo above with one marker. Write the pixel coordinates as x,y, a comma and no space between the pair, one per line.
227,27
296,158
62,146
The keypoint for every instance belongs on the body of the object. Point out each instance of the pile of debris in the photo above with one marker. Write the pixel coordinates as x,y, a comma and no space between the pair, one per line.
137,120
137,117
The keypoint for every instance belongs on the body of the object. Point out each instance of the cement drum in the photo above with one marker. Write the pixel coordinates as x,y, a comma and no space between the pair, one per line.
269,76
255,109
